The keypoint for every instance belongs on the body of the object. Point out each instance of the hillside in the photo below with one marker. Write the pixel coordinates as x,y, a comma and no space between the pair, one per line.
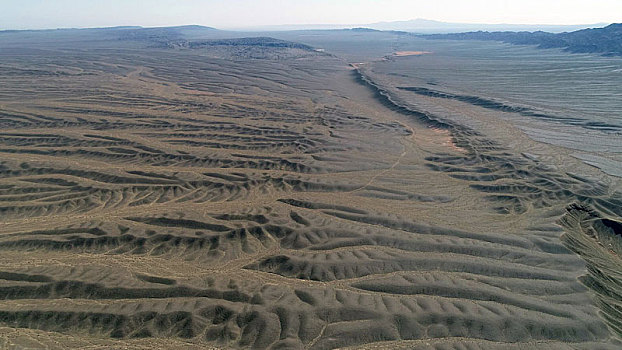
606,41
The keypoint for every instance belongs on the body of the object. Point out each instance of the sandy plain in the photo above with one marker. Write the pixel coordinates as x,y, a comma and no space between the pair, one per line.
257,196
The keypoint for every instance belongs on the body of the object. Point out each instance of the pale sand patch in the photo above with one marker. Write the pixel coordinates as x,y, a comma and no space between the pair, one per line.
410,53
447,140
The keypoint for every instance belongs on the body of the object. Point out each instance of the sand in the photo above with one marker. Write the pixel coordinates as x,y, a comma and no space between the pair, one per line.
411,53
165,198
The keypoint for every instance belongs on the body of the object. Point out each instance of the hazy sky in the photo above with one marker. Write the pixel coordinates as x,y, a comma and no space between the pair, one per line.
31,14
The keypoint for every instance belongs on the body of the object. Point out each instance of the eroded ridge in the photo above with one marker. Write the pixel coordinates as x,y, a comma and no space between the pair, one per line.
323,275
597,240
523,185
252,194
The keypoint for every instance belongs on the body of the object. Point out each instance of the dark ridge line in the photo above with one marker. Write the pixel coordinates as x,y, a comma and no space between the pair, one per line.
432,230
22,277
152,174
314,205
499,106
116,325
72,289
260,219
90,175
296,267
164,159
137,245
384,97
298,218
190,224
155,279
95,231
500,296
227,177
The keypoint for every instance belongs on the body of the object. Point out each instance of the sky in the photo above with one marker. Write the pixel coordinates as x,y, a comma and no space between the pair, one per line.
236,14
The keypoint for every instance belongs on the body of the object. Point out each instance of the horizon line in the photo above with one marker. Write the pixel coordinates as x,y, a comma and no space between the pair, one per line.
344,26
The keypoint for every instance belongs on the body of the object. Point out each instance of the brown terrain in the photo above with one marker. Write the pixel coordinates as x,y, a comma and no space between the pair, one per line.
244,195
410,53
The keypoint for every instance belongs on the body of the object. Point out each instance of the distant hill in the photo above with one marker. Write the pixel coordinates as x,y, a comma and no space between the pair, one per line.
189,31
606,41
126,35
426,26
263,42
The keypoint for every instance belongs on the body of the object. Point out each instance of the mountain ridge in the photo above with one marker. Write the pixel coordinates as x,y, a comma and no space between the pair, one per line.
606,41
423,26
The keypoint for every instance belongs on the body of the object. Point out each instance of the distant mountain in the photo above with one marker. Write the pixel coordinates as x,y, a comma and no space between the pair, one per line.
432,27
291,27
419,26
125,36
606,41
425,26
68,29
